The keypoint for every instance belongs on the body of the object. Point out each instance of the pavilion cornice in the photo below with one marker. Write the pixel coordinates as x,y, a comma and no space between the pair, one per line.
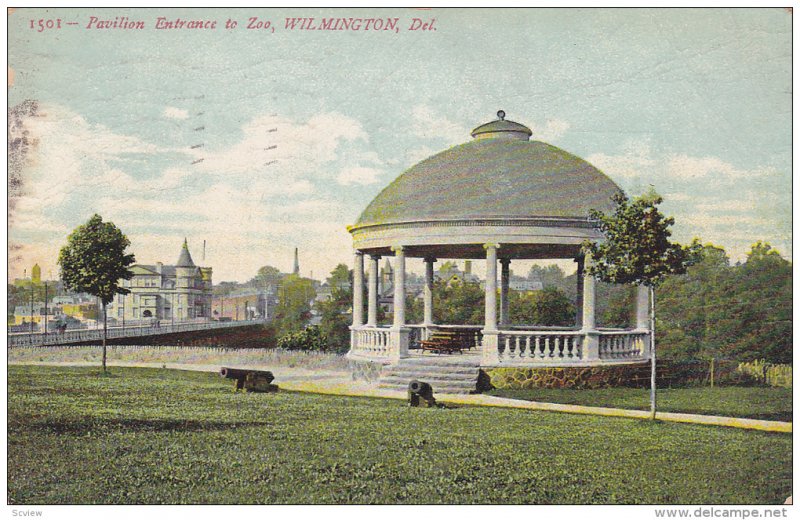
568,222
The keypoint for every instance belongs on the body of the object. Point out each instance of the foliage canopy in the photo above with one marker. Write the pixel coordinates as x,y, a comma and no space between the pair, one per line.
94,260
637,248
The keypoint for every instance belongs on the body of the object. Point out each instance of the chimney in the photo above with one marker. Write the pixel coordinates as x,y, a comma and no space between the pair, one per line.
296,269
468,267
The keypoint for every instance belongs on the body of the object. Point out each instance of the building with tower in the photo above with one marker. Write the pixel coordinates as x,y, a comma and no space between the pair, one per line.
177,292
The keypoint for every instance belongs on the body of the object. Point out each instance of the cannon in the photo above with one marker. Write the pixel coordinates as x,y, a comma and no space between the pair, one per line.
418,390
250,380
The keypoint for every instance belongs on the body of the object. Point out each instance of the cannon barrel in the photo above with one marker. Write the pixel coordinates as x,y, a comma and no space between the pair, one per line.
241,373
419,388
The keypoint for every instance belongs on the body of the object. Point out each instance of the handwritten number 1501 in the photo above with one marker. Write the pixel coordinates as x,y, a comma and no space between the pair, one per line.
41,24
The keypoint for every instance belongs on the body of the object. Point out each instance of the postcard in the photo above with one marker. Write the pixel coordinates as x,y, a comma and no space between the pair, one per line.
403,255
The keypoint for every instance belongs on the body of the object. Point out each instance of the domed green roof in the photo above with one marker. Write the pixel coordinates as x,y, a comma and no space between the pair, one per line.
493,178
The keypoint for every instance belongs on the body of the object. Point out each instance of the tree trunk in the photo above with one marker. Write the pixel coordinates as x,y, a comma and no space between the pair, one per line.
105,334
652,353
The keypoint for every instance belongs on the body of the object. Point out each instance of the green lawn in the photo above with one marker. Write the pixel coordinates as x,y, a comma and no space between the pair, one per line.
774,404
161,436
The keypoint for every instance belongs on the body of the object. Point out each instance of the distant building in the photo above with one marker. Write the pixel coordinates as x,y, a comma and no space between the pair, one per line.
166,292
451,273
525,285
81,311
35,278
247,304
27,313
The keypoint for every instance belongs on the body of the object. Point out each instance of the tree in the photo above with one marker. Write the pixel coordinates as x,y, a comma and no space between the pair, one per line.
762,308
294,304
458,302
94,261
548,307
637,250
267,275
335,313
692,322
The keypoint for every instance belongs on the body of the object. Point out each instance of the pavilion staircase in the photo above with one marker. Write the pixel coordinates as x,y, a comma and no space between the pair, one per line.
446,374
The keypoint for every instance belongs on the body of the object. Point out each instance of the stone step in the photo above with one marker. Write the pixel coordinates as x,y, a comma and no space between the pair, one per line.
454,361
412,370
402,380
437,389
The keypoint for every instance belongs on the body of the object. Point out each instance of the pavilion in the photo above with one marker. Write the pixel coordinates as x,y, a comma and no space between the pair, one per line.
499,197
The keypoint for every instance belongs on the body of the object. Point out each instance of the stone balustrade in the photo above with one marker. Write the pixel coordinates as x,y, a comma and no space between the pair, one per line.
623,345
372,342
539,346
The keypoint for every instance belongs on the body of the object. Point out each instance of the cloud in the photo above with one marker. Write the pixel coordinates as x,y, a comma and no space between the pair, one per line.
551,130
358,175
686,167
72,156
635,161
428,124
175,113
271,143
711,198
415,155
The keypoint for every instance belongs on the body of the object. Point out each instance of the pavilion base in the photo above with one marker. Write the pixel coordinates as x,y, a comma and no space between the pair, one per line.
633,375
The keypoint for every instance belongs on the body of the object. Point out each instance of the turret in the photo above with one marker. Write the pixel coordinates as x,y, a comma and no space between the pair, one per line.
184,267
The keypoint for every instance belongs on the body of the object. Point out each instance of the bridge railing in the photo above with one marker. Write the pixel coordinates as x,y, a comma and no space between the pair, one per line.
83,335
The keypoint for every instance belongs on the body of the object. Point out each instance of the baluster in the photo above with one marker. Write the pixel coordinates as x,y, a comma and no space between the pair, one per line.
548,351
528,347
539,352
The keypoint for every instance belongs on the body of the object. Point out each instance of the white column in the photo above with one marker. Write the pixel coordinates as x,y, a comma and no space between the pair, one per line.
588,302
491,287
427,293
579,298
591,341
372,291
358,289
642,307
399,287
505,275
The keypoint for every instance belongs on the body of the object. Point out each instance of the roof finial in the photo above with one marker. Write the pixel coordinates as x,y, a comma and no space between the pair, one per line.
501,115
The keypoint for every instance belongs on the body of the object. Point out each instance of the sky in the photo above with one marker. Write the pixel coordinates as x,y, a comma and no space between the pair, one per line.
299,130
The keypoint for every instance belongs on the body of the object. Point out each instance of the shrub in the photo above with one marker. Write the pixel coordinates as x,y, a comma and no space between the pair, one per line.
310,338
767,373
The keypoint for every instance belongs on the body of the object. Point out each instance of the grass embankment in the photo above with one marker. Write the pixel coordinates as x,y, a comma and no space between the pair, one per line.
247,336
772,404
180,355
161,436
